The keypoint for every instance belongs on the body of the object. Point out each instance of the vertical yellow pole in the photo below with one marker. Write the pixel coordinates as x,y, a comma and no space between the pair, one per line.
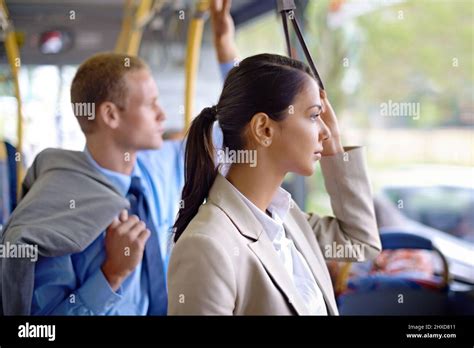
143,11
134,19
13,56
124,35
195,30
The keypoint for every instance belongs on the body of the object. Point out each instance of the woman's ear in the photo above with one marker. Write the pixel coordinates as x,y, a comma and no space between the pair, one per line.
261,129
109,115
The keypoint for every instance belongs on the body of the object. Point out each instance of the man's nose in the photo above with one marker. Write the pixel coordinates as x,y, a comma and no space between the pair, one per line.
160,113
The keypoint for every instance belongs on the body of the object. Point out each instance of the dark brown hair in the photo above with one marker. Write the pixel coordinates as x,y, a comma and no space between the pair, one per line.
101,78
265,83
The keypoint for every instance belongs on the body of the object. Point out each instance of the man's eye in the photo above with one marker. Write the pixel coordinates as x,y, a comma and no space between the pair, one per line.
314,117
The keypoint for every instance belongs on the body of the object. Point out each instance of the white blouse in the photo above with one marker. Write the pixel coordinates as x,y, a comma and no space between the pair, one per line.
293,261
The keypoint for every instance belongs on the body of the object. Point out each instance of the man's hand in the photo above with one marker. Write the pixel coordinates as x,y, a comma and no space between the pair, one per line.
223,29
125,241
332,145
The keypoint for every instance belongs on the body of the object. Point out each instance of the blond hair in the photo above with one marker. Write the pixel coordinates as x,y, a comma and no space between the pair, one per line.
99,79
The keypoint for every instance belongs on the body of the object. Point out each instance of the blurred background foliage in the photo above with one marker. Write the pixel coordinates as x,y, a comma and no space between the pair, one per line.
415,51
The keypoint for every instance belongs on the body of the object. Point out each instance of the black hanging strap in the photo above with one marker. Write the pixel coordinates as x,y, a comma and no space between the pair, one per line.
286,8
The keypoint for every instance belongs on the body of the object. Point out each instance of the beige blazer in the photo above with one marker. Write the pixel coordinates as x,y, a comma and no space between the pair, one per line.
224,263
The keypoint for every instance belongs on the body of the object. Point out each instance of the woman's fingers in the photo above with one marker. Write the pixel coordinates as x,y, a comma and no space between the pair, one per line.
322,94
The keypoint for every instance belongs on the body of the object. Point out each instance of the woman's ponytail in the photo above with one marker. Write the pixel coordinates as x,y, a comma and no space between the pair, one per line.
200,170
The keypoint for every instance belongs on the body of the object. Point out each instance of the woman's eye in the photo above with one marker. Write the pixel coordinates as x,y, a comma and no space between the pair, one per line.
314,117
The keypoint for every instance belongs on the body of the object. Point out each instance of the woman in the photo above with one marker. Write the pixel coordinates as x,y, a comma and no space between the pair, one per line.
249,250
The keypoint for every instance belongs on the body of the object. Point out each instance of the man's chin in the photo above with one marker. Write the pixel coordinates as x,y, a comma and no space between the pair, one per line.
152,145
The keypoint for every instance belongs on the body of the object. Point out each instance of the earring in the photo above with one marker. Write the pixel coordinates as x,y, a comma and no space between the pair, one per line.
267,142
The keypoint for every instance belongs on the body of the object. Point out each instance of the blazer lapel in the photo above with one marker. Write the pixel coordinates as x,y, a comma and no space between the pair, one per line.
316,263
263,249
223,195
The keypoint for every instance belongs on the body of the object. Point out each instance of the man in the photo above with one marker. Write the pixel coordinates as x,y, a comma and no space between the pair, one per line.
70,198
113,277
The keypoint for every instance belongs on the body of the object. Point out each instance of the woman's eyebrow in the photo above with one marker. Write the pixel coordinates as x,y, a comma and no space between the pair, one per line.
315,106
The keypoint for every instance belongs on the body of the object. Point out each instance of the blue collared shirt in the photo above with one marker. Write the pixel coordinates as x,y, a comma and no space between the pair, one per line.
226,67
75,285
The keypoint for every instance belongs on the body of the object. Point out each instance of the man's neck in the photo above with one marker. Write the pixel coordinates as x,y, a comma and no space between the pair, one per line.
110,157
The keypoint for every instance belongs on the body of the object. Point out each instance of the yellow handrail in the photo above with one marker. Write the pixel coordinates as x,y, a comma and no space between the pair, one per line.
124,35
130,36
13,56
195,31
143,11
133,22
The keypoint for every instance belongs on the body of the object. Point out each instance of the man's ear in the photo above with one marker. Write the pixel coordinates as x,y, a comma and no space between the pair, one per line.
109,115
262,129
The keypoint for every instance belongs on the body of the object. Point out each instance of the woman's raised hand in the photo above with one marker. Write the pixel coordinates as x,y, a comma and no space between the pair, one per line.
333,144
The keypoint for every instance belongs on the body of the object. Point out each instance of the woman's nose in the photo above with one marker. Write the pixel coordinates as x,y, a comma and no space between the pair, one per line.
324,132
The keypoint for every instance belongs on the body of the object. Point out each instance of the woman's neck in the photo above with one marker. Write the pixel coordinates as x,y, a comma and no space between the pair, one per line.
259,184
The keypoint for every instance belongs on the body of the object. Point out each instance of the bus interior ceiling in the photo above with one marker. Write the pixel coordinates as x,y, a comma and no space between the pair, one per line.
91,26
95,25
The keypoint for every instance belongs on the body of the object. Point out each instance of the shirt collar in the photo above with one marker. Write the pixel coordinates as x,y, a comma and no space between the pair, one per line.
278,207
119,180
